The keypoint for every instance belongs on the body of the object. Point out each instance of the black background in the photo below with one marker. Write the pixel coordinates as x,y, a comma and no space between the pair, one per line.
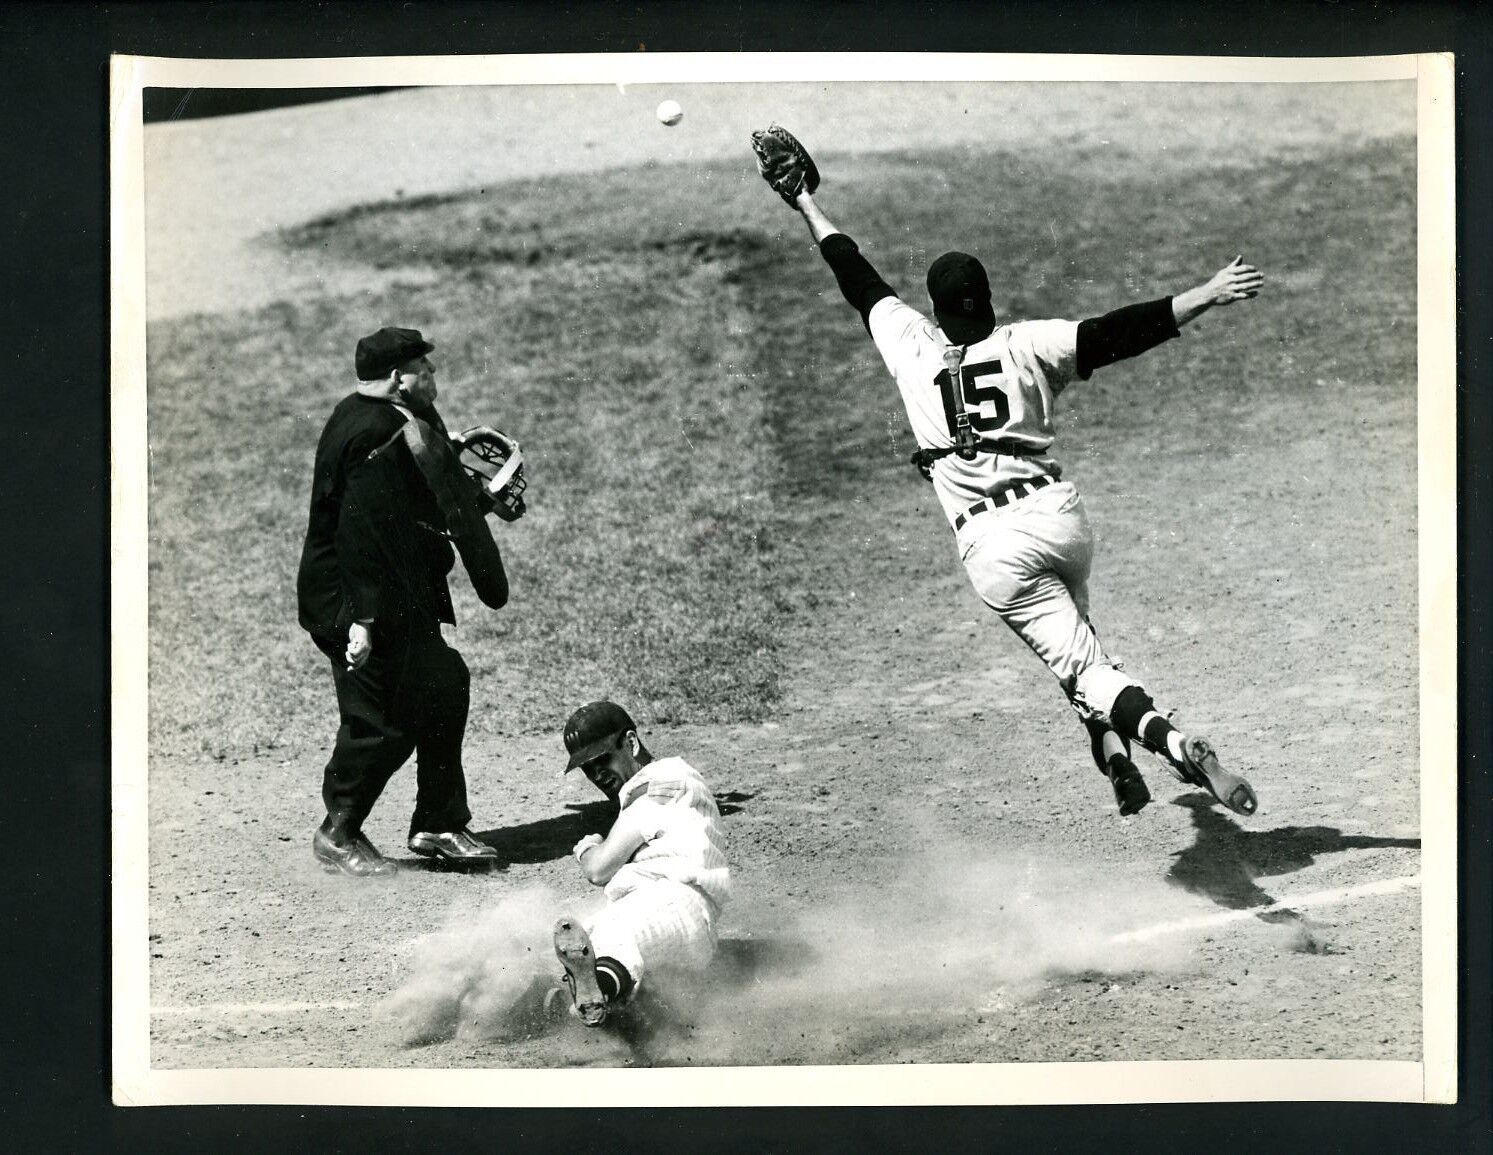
53,615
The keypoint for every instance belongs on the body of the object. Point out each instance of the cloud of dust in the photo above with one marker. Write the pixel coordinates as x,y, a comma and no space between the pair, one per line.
955,935
483,975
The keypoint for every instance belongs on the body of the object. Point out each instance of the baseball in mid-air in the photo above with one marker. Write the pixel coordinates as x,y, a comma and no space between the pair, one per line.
669,113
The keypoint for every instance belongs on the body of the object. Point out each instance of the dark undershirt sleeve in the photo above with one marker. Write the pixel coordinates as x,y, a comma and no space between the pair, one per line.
859,281
1125,332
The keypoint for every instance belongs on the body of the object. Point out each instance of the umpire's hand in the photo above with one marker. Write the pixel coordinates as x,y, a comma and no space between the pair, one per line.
359,645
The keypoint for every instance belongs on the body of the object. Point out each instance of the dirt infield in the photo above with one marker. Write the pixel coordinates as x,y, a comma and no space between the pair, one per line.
929,868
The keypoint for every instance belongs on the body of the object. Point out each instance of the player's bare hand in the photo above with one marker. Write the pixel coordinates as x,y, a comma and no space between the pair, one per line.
585,844
359,645
1236,281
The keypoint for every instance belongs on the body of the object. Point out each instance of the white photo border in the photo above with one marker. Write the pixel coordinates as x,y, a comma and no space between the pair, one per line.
1432,1080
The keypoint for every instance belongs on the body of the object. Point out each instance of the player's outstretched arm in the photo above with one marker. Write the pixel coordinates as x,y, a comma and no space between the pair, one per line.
820,225
1236,281
860,283
1132,329
790,172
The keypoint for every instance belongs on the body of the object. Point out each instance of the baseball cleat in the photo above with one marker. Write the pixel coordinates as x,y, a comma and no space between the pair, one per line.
1202,769
1130,788
573,949
454,845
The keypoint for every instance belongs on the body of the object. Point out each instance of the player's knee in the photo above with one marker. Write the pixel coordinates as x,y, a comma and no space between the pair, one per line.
1101,688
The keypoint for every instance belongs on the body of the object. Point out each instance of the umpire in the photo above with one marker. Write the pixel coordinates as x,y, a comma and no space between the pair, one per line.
372,594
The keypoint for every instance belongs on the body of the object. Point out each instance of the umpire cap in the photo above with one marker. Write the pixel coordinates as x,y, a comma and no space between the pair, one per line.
961,297
379,354
594,729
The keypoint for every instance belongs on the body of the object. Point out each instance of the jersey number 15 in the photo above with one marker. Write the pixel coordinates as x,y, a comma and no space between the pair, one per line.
974,395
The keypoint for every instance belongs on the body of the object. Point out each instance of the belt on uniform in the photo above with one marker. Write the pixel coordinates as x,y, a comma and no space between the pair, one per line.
1013,492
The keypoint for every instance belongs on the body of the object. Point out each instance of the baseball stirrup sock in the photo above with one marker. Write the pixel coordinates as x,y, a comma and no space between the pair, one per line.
1106,744
1161,737
1132,706
613,979
1135,714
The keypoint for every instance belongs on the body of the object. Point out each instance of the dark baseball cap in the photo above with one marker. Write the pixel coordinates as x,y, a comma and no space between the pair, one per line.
961,297
594,729
379,354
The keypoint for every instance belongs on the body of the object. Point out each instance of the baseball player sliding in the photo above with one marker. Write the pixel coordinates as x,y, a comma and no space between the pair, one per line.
663,864
979,396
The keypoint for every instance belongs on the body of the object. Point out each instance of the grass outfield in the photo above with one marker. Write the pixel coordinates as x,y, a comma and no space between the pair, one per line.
697,402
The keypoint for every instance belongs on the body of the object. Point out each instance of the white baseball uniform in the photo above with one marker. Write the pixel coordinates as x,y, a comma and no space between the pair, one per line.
1029,557
663,903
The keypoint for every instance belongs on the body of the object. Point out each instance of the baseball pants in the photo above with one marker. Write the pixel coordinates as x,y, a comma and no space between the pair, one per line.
1029,562
410,697
661,925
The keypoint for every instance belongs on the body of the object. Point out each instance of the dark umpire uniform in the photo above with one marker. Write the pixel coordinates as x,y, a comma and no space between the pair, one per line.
375,554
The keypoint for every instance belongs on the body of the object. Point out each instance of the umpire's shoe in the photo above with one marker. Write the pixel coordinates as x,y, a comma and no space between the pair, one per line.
453,845
1202,769
1130,788
573,949
356,856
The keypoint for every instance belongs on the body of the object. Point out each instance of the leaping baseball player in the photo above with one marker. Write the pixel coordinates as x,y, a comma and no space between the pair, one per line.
979,396
663,864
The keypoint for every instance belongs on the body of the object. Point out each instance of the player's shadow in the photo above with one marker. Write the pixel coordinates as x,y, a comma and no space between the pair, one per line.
1226,858
729,802
552,838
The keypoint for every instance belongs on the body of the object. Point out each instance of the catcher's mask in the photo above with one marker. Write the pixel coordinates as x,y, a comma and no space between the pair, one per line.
496,463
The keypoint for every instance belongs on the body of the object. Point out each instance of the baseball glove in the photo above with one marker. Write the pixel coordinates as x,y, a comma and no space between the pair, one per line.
494,461
784,163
